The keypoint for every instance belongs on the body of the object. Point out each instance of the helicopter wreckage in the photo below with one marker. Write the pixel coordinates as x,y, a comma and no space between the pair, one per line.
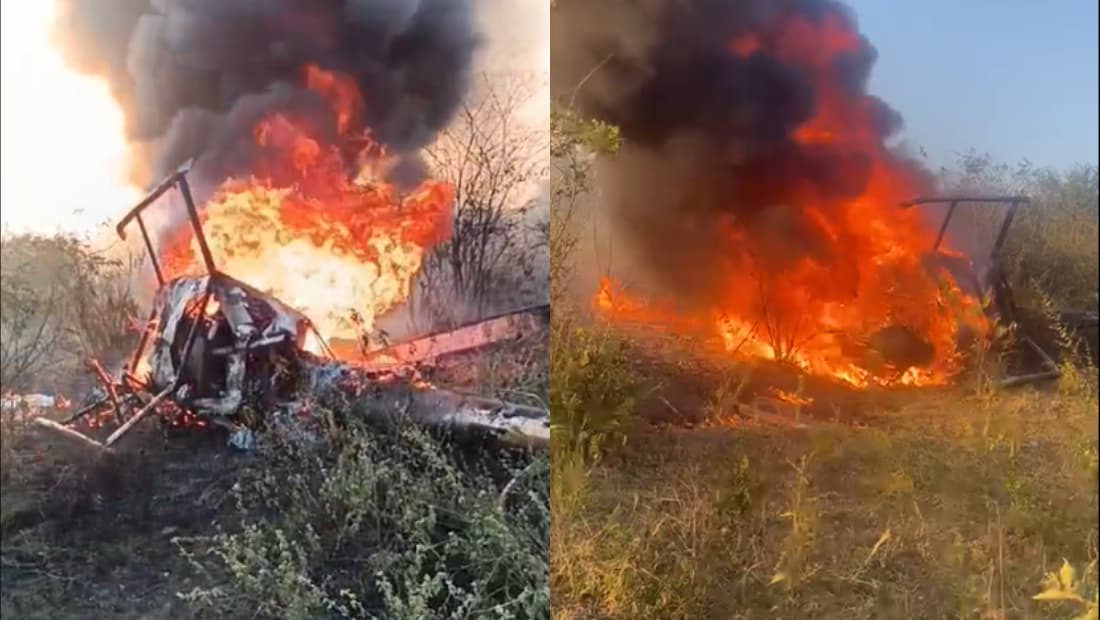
218,352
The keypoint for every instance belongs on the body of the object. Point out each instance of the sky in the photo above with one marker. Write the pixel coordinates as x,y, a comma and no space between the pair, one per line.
1014,78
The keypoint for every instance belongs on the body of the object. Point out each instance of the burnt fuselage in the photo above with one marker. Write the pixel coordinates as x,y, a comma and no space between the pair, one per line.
222,344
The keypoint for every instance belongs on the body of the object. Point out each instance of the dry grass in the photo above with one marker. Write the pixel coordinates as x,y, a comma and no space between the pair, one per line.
89,536
361,524
945,507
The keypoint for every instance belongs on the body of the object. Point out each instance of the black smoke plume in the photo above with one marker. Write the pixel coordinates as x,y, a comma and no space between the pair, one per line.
708,132
195,76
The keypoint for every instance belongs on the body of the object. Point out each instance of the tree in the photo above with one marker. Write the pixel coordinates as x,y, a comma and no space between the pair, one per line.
573,143
495,164
61,303
30,325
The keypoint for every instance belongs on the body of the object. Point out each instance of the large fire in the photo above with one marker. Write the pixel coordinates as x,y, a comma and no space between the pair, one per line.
871,281
342,250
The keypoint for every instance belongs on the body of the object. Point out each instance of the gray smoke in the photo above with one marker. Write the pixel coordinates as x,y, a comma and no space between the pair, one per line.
194,76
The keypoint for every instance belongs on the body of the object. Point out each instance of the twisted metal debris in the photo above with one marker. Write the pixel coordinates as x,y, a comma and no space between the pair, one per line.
214,348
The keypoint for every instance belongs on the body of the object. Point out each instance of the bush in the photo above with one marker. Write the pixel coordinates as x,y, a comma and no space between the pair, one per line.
593,388
61,303
365,524
592,385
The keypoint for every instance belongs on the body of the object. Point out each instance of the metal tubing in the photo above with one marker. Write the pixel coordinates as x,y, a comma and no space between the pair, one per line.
1048,375
1003,234
83,411
68,432
1013,202
149,199
1047,360
140,350
942,199
152,251
946,221
112,393
191,337
196,225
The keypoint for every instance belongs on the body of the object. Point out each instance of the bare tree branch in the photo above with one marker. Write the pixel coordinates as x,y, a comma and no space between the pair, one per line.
494,164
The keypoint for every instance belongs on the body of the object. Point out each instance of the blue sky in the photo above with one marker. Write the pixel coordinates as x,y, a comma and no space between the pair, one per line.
1014,78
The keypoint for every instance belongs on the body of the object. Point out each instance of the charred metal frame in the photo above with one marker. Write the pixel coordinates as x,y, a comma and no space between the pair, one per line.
130,384
953,202
1001,292
177,178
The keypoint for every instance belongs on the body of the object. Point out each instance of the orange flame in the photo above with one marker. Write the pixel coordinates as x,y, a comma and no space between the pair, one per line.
872,272
342,251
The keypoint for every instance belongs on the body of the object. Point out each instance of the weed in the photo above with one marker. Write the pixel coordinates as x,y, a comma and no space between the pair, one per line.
1064,585
920,516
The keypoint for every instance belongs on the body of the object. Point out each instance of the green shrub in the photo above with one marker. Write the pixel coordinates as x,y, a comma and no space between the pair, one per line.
593,389
61,302
381,525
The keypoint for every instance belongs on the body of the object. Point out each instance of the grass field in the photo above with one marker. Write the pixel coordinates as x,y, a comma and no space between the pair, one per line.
942,503
357,522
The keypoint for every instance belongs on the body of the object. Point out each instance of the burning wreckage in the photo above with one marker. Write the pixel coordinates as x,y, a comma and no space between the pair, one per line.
216,351
897,353
755,194
984,279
